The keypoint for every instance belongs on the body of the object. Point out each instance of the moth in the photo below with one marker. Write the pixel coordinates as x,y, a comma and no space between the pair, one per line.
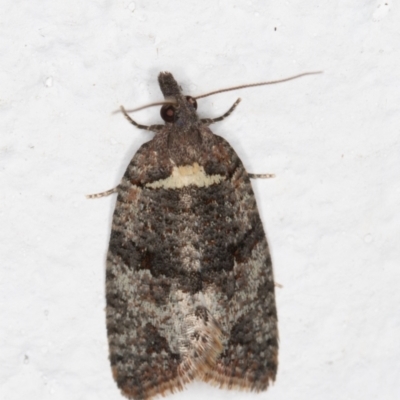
189,279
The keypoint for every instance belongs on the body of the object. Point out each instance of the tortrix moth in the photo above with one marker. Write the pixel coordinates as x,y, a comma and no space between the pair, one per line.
189,281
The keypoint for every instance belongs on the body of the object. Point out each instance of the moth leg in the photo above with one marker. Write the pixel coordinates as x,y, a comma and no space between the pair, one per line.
153,128
210,121
102,194
261,176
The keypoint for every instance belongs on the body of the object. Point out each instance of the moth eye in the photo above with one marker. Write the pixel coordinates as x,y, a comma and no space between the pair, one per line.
192,101
168,113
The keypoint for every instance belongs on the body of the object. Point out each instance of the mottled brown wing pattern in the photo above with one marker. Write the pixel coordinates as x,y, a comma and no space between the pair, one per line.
189,282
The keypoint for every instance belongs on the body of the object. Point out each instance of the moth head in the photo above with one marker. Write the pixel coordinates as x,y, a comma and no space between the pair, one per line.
177,103
181,109
170,112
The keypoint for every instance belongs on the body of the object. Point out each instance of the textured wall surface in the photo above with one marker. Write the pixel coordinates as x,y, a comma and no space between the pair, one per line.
331,214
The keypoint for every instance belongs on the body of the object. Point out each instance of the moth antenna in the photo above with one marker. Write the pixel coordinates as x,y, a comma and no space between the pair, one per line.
258,84
159,103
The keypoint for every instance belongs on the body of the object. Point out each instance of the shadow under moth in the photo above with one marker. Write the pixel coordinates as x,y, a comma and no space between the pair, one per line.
189,280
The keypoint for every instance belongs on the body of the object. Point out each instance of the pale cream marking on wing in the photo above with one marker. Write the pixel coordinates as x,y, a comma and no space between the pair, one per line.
186,175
